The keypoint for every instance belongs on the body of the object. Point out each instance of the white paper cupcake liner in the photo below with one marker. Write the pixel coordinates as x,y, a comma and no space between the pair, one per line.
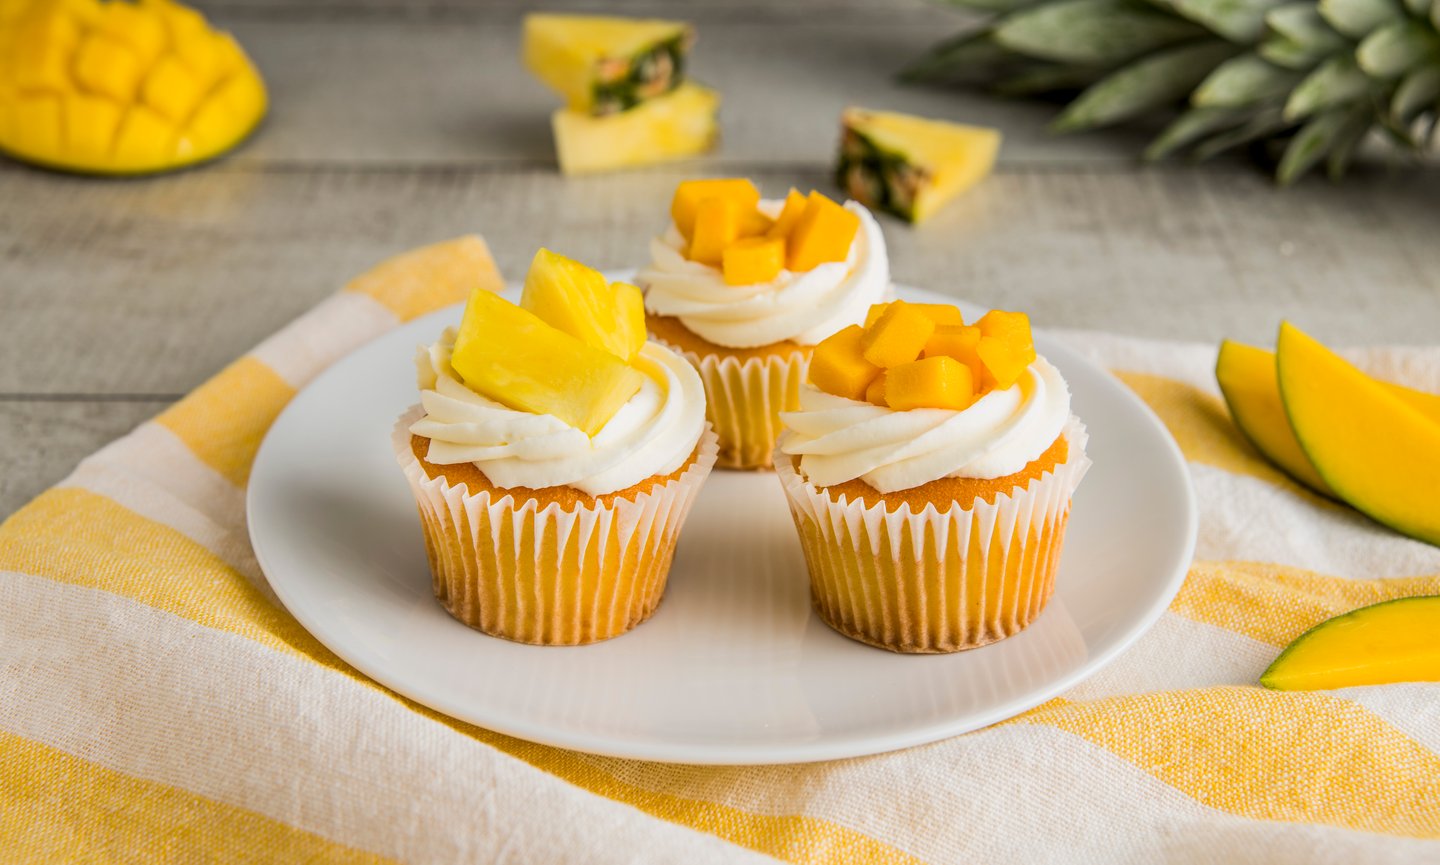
542,574
744,400
935,581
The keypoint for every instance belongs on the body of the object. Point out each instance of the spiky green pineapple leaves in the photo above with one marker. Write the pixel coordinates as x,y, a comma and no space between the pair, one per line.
1310,78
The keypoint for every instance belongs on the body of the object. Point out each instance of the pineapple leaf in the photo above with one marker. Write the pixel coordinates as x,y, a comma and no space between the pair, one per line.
1418,8
1193,124
1156,80
1240,21
1286,52
1093,32
1302,24
1243,80
1046,78
1311,144
1337,81
1395,48
1343,150
1357,18
1418,89
1267,122
972,53
989,5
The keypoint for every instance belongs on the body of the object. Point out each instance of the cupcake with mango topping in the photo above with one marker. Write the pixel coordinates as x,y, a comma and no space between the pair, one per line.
929,470
554,456
745,287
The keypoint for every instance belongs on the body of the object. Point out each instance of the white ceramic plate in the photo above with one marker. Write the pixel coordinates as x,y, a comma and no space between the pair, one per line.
734,667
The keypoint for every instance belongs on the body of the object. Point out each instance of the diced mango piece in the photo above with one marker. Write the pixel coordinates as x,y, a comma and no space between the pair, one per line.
509,355
39,126
717,225
685,206
144,139
172,90
106,67
839,367
577,300
875,393
957,342
1003,361
789,215
679,124
91,123
823,234
44,47
629,318
932,382
753,223
1011,326
753,259
897,336
940,313
140,30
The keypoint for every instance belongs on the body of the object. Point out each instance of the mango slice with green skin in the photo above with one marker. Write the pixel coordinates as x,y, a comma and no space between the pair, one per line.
1380,644
603,65
1377,451
910,166
121,87
679,124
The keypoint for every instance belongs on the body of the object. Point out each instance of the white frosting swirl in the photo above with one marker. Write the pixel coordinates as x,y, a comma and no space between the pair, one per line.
839,439
654,433
805,307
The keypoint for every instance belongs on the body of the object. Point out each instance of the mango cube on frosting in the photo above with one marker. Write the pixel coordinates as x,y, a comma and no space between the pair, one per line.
1002,361
839,367
685,206
1013,327
578,301
717,225
510,355
753,259
932,382
897,336
823,234
789,214
940,313
875,393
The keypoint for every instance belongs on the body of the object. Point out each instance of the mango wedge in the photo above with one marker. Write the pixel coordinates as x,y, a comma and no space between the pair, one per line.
679,124
509,355
1383,643
1378,452
1252,391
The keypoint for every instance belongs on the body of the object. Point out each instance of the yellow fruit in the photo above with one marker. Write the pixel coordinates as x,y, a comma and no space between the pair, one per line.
679,124
1014,327
1383,643
717,225
823,234
602,65
1002,362
875,392
509,355
121,87
960,342
940,313
910,166
934,382
685,205
789,216
577,300
1377,451
1247,379
897,336
839,367
753,259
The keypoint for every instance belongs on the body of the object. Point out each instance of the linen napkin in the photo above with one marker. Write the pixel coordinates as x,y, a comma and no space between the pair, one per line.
158,704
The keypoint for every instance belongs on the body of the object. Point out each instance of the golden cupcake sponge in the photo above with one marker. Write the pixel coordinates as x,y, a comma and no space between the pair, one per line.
121,87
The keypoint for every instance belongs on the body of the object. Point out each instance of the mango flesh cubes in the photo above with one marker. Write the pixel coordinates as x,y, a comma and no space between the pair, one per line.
509,355
603,65
789,216
911,355
577,300
752,260
121,88
910,166
679,124
685,205
823,234
717,225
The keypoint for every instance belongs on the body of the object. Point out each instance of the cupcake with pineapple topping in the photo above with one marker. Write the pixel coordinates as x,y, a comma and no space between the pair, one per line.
929,470
553,457
744,288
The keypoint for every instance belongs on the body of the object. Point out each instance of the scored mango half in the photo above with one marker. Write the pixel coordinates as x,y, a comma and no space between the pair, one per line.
121,87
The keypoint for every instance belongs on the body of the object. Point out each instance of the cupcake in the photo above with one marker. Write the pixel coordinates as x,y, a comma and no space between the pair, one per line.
744,288
929,470
553,457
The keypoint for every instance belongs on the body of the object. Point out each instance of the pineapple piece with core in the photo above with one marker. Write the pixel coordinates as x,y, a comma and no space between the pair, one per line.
577,300
605,65
910,166
510,355
679,124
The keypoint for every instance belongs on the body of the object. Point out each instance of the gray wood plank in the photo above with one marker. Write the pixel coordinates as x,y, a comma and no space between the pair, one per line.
40,442
149,287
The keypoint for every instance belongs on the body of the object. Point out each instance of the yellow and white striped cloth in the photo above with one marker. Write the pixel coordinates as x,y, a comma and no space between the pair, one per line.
156,704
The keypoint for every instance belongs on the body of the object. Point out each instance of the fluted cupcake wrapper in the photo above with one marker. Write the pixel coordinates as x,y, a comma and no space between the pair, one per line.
539,574
744,400
935,581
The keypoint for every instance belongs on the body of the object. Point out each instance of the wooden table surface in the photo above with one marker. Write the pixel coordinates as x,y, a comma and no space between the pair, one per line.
396,124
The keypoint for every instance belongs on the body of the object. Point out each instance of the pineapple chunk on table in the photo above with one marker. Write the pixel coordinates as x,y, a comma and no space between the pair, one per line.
679,124
121,88
910,166
604,65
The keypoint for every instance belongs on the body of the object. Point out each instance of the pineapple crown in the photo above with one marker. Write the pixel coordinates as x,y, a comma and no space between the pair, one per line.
1307,79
